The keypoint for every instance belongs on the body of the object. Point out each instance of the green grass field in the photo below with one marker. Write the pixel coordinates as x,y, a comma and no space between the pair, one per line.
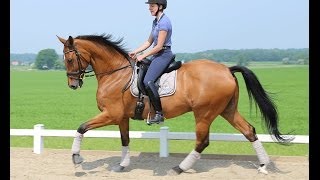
43,97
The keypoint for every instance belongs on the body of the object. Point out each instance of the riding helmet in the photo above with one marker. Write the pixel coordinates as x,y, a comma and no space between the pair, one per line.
162,2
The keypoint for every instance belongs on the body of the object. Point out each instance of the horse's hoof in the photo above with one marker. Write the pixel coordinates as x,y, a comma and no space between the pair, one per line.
117,168
77,159
175,171
263,170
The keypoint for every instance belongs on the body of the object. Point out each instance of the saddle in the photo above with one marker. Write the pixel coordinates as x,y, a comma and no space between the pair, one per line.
141,72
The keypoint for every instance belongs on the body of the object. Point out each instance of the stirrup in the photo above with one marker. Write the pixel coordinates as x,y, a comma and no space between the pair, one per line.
157,119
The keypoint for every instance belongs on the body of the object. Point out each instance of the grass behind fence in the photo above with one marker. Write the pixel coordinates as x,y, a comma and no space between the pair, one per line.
42,97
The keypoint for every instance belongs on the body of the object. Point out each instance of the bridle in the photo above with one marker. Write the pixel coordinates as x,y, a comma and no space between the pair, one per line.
80,74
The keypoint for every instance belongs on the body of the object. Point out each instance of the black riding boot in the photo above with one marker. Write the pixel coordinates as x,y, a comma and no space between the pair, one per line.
155,101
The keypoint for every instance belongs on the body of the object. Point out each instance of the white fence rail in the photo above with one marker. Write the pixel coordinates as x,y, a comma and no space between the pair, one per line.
164,135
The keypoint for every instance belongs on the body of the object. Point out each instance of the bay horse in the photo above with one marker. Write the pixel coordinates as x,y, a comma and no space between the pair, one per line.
206,87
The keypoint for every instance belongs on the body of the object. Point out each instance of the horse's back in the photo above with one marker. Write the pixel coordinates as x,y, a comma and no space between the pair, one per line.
205,64
208,70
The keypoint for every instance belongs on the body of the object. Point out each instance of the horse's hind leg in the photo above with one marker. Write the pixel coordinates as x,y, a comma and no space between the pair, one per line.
232,115
202,141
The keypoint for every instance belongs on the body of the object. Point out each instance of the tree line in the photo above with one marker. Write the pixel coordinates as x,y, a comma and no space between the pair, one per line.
246,55
49,59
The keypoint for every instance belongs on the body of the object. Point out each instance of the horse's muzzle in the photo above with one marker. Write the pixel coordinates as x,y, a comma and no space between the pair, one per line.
75,84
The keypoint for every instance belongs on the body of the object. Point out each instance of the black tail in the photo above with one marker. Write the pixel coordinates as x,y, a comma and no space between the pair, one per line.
266,105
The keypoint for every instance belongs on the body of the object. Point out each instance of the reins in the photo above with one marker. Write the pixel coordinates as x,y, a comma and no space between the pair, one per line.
81,72
106,73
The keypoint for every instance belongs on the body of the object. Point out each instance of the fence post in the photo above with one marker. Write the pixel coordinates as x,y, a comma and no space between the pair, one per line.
38,138
164,146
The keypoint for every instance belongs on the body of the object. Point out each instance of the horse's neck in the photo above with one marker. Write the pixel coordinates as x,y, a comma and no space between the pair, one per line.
107,65
103,62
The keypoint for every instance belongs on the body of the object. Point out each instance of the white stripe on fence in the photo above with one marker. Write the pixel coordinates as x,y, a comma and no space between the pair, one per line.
164,135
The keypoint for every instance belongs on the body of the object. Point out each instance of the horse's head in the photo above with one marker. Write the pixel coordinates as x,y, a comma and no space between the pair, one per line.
75,63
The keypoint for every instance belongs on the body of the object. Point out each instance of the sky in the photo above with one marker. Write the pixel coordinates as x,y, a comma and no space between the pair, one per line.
197,25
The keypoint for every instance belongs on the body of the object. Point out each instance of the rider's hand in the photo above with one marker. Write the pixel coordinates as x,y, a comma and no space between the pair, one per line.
139,58
132,55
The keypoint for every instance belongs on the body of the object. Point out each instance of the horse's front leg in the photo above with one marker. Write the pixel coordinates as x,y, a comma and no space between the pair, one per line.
100,120
125,140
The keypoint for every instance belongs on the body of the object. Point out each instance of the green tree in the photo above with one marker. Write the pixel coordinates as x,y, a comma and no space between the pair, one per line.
241,59
59,65
46,59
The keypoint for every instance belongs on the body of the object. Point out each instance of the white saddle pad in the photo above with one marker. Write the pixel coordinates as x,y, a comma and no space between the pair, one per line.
167,84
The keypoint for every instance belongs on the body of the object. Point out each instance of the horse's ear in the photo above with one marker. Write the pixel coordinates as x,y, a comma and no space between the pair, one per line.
62,40
70,41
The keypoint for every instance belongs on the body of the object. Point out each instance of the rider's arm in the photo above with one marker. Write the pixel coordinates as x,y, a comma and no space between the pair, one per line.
161,39
144,46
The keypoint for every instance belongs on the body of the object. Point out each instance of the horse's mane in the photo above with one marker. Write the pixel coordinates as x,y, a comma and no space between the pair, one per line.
106,40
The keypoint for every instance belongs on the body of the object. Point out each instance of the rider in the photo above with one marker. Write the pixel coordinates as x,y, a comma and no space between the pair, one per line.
160,53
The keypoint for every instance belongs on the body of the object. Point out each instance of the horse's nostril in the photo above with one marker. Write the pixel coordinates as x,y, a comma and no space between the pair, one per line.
73,87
